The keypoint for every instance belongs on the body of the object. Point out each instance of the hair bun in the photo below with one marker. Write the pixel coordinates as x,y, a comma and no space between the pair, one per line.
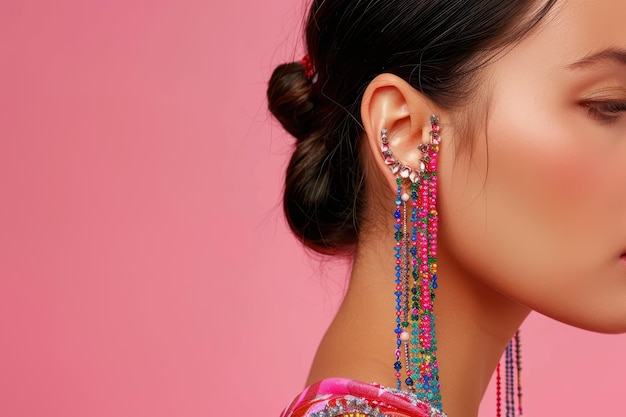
290,101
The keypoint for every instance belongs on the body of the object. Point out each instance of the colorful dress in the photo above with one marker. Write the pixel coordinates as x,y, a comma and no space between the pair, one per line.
341,397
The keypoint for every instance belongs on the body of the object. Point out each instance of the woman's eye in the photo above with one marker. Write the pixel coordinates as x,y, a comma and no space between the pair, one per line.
605,111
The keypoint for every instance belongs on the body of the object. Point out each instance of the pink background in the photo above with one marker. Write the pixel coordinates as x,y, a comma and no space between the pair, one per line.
145,267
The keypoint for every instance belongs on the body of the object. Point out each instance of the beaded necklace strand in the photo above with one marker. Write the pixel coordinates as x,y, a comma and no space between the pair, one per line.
512,379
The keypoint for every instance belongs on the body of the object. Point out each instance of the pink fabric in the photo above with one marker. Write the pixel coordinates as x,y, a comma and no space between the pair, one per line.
356,396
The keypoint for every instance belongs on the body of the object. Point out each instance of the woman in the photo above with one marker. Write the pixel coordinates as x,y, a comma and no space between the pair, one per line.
470,156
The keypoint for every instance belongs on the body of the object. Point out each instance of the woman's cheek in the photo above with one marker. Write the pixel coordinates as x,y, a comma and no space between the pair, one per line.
542,164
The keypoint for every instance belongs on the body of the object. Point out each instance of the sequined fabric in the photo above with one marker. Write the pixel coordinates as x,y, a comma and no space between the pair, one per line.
341,397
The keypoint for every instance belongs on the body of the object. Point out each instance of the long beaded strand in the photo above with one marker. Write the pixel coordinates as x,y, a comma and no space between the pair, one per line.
434,231
518,363
498,392
413,306
398,248
402,265
510,380
404,336
431,383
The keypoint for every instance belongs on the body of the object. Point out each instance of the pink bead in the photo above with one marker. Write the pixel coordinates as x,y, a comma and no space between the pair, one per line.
404,336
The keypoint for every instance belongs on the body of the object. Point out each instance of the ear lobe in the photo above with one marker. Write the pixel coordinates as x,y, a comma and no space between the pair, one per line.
391,103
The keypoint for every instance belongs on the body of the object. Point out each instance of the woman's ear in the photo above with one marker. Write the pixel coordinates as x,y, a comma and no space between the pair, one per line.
391,103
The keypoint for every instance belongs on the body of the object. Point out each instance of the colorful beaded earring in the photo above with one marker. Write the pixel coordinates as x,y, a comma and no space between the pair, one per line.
416,268
415,232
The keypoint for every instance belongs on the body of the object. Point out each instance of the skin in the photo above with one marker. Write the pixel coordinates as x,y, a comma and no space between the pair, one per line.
533,218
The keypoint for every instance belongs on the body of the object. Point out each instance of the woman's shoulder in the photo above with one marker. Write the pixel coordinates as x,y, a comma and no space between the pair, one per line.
342,397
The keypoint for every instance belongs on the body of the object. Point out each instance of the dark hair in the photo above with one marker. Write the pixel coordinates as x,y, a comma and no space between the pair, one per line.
435,45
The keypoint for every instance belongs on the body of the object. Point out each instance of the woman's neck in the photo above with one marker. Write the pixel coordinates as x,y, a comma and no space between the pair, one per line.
473,324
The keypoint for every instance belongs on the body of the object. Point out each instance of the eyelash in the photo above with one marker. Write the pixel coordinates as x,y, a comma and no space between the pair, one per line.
605,111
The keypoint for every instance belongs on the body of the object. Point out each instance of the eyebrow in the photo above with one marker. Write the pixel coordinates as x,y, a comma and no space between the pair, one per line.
609,55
